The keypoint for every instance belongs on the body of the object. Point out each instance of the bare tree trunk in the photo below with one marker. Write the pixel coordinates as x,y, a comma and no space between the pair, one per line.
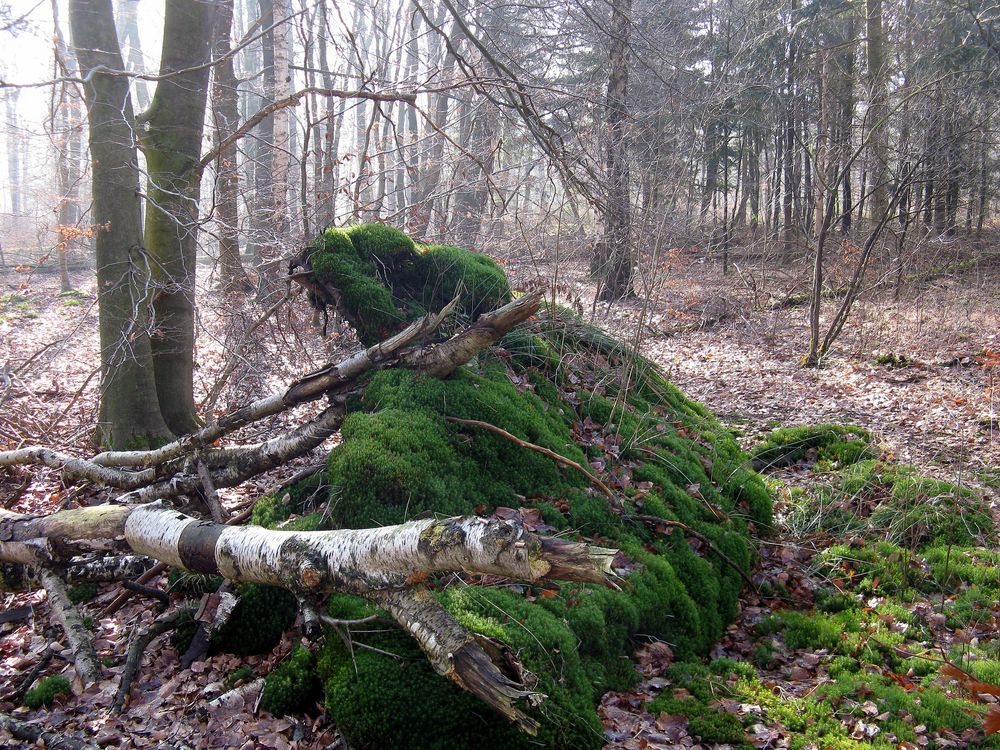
615,254
129,410
225,112
326,185
14,149
127,23
471,198
878,105
171,142
281,164
429,177
65,114
787,216
260,214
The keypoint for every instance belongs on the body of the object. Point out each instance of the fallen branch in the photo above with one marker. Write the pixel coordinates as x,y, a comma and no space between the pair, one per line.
591,477
30,732
84,655
377,564
136,650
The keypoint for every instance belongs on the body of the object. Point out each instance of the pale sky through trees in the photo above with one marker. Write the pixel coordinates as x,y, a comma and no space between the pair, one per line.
26,58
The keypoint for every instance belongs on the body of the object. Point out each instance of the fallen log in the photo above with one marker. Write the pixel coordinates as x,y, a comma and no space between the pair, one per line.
377,564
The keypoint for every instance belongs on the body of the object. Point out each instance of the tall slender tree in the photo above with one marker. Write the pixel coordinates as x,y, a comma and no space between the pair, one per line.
171,140
129,409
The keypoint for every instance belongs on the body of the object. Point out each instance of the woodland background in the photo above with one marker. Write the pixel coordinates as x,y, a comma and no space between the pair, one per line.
790,207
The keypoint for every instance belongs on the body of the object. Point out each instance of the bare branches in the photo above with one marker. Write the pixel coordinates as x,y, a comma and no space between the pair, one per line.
293,101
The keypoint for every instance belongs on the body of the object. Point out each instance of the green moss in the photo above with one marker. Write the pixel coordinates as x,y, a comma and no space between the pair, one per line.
380,241
400,458
955,567
840,444
261,616
45,691
82,593
912,509
293,686
878,567
445,271
237,676
367,302
567,388
385,280
810,631
303,497
717,727
371,696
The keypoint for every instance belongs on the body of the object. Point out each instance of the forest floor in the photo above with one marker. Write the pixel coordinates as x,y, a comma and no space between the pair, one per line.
921,374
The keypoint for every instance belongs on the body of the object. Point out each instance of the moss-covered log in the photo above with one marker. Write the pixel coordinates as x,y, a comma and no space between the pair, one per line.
419,500
410,447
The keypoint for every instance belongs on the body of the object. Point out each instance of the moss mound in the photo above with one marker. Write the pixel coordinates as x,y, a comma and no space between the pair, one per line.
830,443
385,280
401,457
292,686
559,384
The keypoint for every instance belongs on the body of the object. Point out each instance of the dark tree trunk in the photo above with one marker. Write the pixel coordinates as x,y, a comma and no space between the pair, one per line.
129,411
225,111
614,256
171,143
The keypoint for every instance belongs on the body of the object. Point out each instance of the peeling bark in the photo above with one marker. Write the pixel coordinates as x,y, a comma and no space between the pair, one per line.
377,564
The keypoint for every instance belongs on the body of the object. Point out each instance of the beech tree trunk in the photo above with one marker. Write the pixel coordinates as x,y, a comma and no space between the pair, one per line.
129,411
171,143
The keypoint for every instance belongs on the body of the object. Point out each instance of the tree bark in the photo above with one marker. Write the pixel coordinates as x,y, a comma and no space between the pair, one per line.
171,142
129,412
615,259
878,106
225,110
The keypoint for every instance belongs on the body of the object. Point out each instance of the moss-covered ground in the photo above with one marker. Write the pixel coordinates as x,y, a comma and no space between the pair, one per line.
861,623
556,383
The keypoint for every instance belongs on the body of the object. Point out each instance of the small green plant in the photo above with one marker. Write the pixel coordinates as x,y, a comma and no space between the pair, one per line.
830,443
45,691
82,593
237,676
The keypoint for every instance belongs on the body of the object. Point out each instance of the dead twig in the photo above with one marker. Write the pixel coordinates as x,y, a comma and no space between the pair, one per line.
539,449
